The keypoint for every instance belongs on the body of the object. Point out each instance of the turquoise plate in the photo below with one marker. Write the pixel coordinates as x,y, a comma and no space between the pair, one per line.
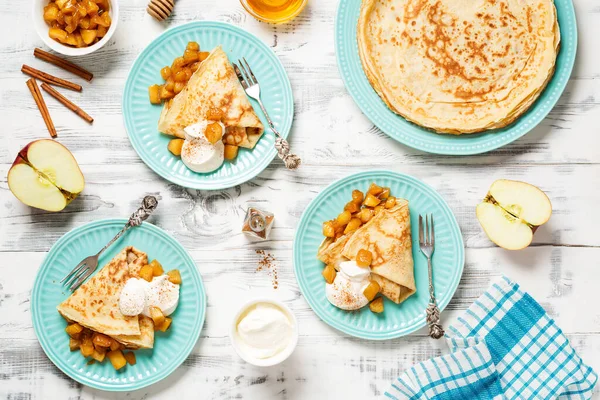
397,319
170,348
422,139
141,117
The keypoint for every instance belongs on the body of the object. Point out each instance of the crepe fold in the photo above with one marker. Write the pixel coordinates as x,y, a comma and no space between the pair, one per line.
214,85
458,66
95,304
388,237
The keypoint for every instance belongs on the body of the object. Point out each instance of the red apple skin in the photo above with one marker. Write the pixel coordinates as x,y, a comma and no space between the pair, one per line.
20,159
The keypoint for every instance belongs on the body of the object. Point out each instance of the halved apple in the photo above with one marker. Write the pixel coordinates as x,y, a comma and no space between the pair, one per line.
512,211
45,175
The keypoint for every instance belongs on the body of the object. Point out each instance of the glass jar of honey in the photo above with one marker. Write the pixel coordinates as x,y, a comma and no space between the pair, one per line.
274,11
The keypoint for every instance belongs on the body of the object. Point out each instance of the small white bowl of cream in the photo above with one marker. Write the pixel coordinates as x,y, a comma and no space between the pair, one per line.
264,332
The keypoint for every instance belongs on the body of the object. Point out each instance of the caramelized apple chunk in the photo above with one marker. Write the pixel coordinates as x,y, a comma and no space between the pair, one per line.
157,316
157,269
328,229
371,290
154,94
74,330
174,276
353,225
365,215
117,359
98,354
214,132
329,274
175,146
231,152
376,305
100,340
344,217
165,325
390,202
74,344
146,273
371,201
352,207
130,357
374,190
357,197
364,258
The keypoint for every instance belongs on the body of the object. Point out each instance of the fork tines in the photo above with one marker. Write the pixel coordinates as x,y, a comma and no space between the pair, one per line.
244,73
425,239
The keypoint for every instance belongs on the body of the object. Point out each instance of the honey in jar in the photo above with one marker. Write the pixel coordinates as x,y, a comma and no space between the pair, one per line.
274,11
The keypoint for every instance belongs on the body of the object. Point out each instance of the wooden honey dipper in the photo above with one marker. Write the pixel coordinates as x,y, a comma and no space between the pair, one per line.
160,9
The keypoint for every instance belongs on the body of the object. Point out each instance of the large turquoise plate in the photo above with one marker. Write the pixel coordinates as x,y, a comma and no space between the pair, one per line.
396,320
422,139
141,117
170,348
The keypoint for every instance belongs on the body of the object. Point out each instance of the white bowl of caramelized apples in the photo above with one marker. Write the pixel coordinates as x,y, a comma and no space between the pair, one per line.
75,27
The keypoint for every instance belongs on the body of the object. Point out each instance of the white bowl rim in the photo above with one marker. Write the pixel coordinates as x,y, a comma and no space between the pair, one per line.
278,358
73,51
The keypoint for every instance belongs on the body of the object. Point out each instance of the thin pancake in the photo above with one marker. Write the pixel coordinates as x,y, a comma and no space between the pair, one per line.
388,237
458,66
214,85
95,304
145,339
332,252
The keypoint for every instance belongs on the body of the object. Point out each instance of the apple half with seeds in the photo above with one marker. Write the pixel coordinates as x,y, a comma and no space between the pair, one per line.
45,175
511,213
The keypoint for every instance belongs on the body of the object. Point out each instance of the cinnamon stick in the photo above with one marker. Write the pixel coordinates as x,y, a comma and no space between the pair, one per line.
51,79
41,104
66,102
62,63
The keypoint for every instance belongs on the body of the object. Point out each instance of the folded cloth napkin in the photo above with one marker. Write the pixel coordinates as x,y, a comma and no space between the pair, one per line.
504,347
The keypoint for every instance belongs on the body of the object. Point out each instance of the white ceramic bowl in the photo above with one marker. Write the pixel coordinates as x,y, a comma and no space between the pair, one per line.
42,27
278,358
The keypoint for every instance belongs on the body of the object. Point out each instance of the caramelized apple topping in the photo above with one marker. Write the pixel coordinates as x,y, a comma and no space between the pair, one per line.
329,274
364,258
376,305
371,290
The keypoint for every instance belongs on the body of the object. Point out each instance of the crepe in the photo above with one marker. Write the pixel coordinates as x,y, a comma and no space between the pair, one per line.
458,66
95,304
214,85
387,236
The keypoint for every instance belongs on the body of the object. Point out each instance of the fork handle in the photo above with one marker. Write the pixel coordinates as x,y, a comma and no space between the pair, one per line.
117,236
290,160
433,312
149,204
271,124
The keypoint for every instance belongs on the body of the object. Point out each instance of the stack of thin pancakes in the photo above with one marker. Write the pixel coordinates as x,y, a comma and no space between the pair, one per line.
458,66
388,237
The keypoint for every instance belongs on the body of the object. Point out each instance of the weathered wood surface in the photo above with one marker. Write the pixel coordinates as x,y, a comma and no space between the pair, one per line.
562,156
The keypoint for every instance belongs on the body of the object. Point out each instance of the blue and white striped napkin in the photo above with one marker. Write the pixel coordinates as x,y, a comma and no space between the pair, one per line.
504,347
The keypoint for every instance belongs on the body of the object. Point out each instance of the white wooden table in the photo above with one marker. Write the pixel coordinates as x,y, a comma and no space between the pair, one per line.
561,156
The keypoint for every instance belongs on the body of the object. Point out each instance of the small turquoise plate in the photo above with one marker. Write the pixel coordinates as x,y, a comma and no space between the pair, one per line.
425,140
171,348
397,319
141,117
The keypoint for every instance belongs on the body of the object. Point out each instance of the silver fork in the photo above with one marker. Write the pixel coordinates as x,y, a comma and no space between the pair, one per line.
427,245
252,88
88,265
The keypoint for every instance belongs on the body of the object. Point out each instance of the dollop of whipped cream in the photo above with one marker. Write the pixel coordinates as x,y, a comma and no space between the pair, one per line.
264,330
346,291
197,153
138,295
